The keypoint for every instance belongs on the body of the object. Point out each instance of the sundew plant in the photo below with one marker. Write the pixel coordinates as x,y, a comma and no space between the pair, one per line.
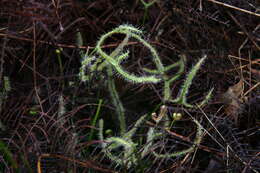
122,149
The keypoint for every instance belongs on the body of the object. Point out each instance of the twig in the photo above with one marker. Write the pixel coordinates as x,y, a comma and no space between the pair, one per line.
235,8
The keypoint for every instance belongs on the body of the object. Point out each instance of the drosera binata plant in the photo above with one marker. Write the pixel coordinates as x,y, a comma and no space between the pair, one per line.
98,60
155,75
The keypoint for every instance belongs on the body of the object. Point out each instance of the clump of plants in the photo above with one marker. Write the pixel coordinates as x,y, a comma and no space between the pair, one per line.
122,149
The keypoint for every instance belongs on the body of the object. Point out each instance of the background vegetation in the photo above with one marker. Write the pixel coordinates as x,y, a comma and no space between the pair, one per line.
49,117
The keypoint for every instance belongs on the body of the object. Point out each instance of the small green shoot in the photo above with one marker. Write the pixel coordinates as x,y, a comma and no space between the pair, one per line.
94,120
7,155
146,7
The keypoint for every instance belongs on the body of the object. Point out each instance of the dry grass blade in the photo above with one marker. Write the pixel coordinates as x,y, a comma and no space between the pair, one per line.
235,8
86,164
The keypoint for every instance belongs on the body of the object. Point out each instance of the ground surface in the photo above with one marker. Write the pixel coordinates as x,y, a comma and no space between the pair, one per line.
48,115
